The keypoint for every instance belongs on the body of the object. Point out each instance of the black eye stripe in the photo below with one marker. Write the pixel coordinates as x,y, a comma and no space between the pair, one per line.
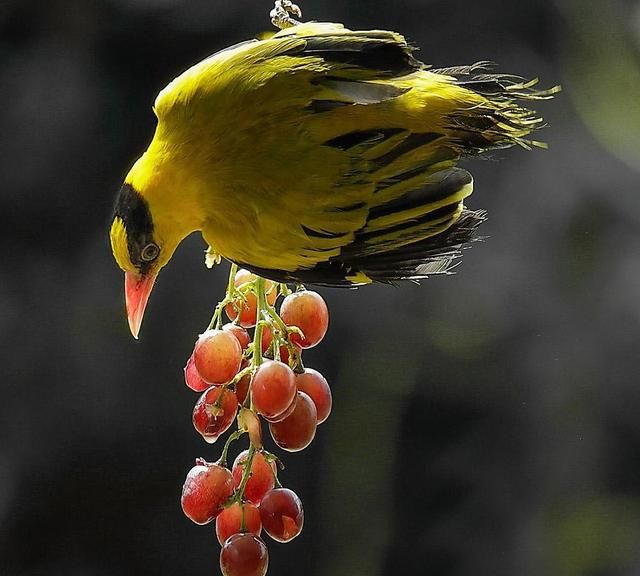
134,211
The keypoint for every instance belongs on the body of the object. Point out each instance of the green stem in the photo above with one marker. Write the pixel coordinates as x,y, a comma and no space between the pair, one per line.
216,319
259,287
284,289
296,356
239,376
275,318
216,316
262,306
273,459
233,270
246,472
243,527
285,330
232,437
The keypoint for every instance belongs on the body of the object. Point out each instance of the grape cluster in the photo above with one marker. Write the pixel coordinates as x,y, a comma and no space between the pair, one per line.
254,379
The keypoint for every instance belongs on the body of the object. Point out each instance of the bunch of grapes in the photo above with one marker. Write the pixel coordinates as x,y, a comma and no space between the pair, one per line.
254,380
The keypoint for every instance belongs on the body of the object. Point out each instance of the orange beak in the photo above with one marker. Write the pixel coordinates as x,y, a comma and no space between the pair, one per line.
137,289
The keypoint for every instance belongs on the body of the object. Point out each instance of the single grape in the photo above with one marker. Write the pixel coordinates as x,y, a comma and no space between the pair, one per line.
214,412
217,356
273,388
297,430
207,487
308,311
244,555
229,521
262,477
240,333
249,309
282,514
192,378
315,385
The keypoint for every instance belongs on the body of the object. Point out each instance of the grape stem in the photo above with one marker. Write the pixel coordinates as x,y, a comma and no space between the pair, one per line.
259,287
262,306
273,458
243,526
246,473
230,296
232,438
273,318
239,376
266,316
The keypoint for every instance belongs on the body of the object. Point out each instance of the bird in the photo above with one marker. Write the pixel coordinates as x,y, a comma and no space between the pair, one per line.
317,155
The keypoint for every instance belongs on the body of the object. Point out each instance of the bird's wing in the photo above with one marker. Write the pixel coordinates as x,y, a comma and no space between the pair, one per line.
336,145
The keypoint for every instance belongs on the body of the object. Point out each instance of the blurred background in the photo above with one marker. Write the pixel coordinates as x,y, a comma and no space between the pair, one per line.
485,423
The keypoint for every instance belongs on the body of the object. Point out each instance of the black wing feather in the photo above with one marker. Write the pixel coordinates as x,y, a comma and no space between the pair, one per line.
383,52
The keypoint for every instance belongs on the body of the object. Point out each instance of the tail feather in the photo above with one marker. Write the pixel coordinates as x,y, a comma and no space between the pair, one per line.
407,218
434,255
501,121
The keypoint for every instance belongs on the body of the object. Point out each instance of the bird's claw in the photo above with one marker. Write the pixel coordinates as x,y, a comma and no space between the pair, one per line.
283,12
211,257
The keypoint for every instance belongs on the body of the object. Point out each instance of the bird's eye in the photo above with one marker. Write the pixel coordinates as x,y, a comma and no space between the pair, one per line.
150,252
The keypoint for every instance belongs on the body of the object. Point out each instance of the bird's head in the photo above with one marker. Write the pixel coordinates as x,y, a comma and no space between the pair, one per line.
141,247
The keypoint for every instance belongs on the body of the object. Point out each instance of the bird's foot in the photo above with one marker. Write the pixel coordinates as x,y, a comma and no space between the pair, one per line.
211,257
283,12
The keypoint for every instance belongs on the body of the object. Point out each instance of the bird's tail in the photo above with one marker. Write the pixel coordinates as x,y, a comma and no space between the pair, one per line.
498,120
434,255
414,261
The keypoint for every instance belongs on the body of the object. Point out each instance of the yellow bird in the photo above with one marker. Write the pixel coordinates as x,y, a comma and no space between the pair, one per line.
319,155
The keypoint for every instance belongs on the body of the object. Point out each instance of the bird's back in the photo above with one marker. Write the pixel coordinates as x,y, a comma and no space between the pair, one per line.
334,152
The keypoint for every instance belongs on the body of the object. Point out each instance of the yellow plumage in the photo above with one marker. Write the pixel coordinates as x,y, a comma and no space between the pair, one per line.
320,154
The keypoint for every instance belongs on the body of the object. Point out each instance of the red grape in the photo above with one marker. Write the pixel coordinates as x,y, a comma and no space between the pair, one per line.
249,308
229,521
262,477
192,378
297,430
244,555
308,311
214,412
217,356
206,489
282,514
240,333
273,388
314,384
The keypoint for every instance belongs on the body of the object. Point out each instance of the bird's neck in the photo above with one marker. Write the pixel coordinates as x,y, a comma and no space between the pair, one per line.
172,194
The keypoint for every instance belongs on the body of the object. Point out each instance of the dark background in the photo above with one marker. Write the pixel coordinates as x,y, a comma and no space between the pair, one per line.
484,424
